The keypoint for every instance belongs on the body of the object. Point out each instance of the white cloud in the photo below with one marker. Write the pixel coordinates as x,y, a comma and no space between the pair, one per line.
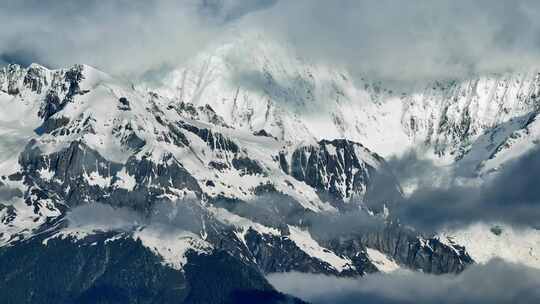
495,282
401,42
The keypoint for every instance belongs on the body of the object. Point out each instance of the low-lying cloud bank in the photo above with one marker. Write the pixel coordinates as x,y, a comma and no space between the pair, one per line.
511,196
494,282
166,217
103,217
7,193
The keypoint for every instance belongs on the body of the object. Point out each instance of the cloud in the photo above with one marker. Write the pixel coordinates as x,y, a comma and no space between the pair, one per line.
410,41
7,193
413,170
179,215
165,217
121,37
350,223
508,196
103,217
229,10
494,282
279,210
270,208
401,43
22,57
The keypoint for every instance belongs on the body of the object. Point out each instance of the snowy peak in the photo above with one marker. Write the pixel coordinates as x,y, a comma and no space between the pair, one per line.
255,84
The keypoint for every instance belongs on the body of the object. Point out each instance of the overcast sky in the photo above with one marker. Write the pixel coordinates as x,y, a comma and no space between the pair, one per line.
127,37
399,41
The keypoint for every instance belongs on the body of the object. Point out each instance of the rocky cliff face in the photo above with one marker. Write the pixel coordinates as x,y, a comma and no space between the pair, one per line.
405,246
342,170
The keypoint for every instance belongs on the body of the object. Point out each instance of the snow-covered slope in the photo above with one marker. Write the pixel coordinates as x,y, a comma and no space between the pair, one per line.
245,150
196,182
471,126
485,242
255,83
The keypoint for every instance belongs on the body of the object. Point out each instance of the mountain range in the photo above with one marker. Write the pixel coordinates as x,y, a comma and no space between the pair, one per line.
248,160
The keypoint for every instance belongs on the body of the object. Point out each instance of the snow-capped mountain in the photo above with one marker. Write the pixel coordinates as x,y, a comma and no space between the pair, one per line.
244,160
77,137
471,126
255,83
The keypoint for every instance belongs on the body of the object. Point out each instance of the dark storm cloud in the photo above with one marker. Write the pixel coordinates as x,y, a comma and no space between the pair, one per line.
396,41
510,196
495,282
